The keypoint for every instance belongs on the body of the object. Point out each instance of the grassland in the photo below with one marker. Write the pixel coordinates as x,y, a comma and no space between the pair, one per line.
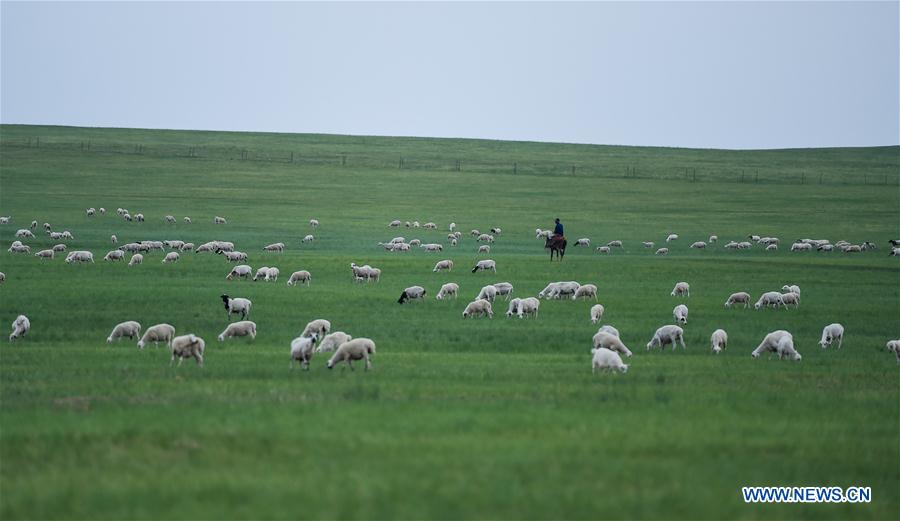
493,419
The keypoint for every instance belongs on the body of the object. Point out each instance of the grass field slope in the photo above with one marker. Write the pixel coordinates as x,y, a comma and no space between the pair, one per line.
459,418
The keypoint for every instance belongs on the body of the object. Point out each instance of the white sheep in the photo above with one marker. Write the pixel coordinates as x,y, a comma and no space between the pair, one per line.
894,345
529,306
680,313
484,248
242,328
113,239
170,219
484,237
430,226
187,346
830,333
556,290
432,247
450,288
488,293
233,306
605,359
741,297
272,274
314,223
20,248
2,277
80,256
608,329
611,342
219,220
300,277
102,210
356,349
45,254
59,248
603,249
139,217
713,238
137,258
672,237
667,335
188,246
648,244
790,288
233,256
584,241
332,341
452,226
479,308
585,291
156,334
20,327
801,246
718,341
772,247
130,329
681,289
172,256
699,245
33,224
24,233
278,246
790,298
445,264
504,289
614,244
4,219
261,273
412,293
772,298
394,224
597,311
484,265
662,251
308,238
780,342
513,307
187,220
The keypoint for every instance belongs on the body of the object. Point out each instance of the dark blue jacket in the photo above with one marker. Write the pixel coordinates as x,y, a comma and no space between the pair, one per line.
559,229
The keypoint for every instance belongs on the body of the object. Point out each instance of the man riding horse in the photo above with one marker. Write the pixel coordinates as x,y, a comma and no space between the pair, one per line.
557,242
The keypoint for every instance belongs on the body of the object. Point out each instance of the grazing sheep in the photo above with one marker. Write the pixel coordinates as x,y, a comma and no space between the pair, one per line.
699,245
394,224
790,298
662,251
484,249
484,237
188,246
233,306
584,241
308,238
780,342
713,238
485,265
102,210
4,219
453,242
46,254
219,220
672,237
556,290
301,277
187,346
332,341
804,246
895,252
681,289
272,274
398,240
452,226
364,273
754,238
830,333
24,233
586,291
603,249
597,311
55,235
278,246
544,234
718,340
680,313
450,288
80,256
667,335
33,224
608,329
241,270
479,308
826,247
356,349
432,247
187,220
401,246
488,293
137,258
772,247
139,217
130,329
314,223
156,334
606,359
445,264
20,327
770,297
242,328
430,226
319,326
504,289
2,277
513,307
610,341
233,256
648,244
172,256
412,293
894,345
791,288
740,297
18,247
529,306
59,248
170,219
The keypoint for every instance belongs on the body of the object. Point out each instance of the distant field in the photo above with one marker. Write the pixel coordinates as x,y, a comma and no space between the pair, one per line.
460,419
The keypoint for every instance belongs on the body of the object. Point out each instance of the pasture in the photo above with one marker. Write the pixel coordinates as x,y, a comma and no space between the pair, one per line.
459,419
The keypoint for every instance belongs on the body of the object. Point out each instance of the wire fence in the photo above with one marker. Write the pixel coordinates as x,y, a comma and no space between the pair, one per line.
615,167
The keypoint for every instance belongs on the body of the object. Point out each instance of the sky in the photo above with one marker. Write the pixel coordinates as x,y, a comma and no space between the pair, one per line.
722,74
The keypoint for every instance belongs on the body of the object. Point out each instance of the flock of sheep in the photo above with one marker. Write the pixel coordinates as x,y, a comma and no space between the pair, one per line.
316,337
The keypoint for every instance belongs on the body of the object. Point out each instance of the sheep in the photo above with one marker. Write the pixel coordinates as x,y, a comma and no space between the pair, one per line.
432,247
332,341
301,277
20,327
415,224
894,345
415,242
398,240
126,217
46,254
18,247
55,235
187,346
156,334
2,277
830,333
445,264
233,306
33,224
826,247
504,289
188,246
314,223
80,256
895,252
4,219
680,313
219,220
740,297
388,246
139,217
454,242
452,226
478,308
780,342
272,274
772,247
584,241
319,326
364,273
130,329
648,244
233,256
450,288
485,265
611,342
137,258
586,291
113,239
731,245
605,359
102,210
753,238
543,234
790,298
484,237
394,224
170,219
430,226
484,248
608,329
308,238
356,349
412,293
791,288
513,307
260,273
699,245
488,293
681,289
797,246
614,244
662,251
603,249
556,290
153,245
713,239
24,233
187,220
59,248
277,246
597,311
718,341
669,334
242,328
172,256
672,237
770,297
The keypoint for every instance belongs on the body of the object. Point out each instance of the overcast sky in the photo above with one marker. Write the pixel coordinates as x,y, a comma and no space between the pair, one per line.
705,74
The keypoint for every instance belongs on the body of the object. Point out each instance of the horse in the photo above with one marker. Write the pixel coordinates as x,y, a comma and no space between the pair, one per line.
557,244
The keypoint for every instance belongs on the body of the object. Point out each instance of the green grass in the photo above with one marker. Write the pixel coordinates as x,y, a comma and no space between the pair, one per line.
492,419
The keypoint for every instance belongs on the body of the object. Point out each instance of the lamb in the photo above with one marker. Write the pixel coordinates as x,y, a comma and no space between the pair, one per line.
603,249
485,265
24,233
364,273
740,297
156,334
605,359
529,306
662,251
672,237
319,326
484,237
504,289
488,293
172,256
241,270
793,288
718,340
667,335
586,291
699,245
356,349
59,248
770,297
450,288
445,264
611,342
80,256
187,346
242,328
790,298
233,306
608,329
432,247
130,329
219,220
308,238
830,333
20,327
681,289
137,258
780,342
314,223
513,307
484,248
301,277
412,293
713,238
46,254
894,345
680,313
479,308
332,341
584,241
278,246
597,311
